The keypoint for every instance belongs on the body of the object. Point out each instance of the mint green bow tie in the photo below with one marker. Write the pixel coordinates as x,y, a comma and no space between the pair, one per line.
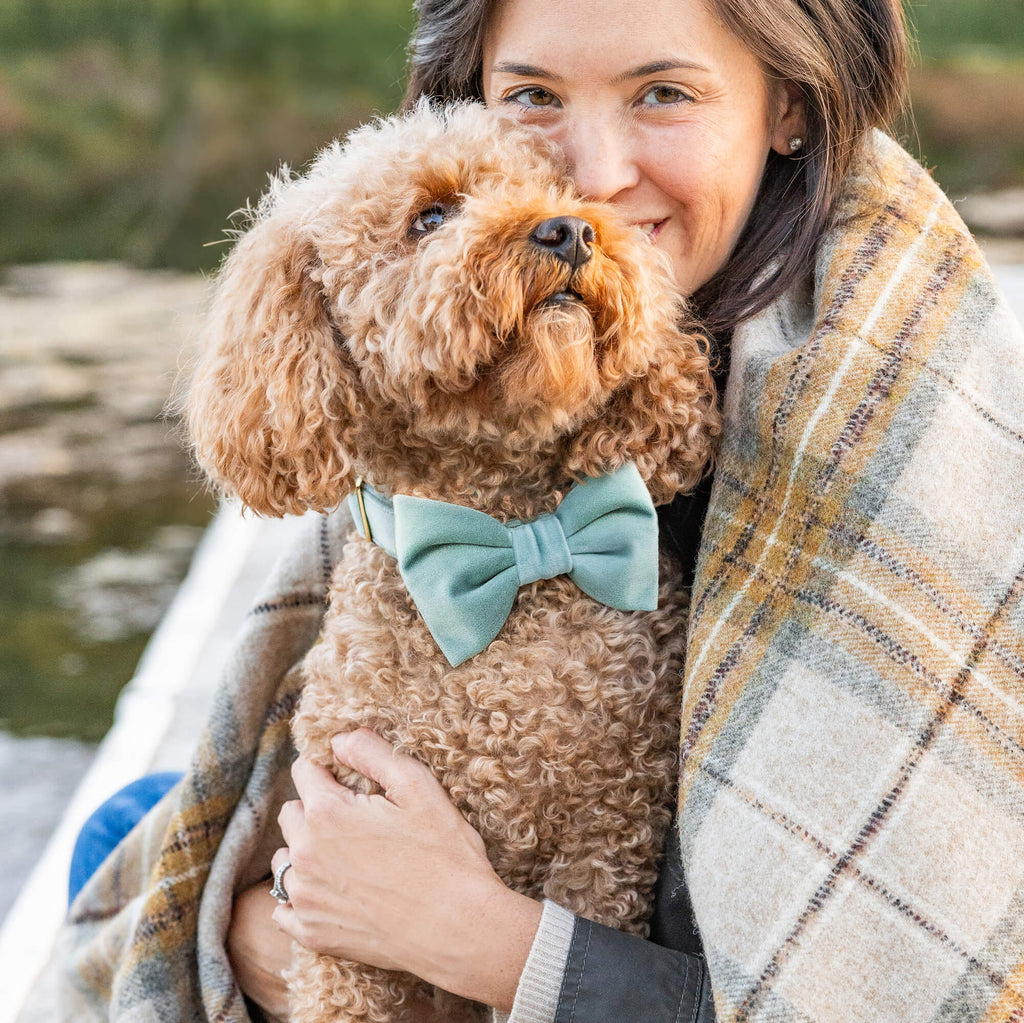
463,568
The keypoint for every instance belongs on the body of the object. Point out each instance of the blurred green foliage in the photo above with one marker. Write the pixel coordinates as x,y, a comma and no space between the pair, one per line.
951,29
130,129
334,40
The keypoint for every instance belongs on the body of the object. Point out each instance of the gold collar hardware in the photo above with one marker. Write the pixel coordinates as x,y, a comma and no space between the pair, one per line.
362,508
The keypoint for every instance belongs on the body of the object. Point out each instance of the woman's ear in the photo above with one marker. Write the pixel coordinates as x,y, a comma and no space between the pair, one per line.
789,118
665,421
269,406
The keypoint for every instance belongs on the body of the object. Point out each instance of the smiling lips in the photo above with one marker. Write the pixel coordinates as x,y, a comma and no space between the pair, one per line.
651,228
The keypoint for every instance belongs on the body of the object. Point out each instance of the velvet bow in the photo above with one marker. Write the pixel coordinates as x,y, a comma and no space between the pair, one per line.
463,568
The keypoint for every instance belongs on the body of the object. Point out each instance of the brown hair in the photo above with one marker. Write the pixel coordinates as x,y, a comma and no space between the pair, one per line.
848,57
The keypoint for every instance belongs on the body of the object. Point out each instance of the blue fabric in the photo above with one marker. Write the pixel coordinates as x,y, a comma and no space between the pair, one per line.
103,831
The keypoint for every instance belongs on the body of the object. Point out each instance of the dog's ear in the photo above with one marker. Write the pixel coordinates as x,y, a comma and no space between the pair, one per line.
270,404
665,421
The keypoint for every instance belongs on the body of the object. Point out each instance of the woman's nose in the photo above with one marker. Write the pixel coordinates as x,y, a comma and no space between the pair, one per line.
601,160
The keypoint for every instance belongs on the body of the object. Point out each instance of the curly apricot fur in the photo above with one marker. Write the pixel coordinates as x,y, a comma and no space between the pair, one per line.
339,344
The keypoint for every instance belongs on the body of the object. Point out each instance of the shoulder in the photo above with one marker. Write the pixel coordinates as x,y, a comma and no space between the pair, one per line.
897,273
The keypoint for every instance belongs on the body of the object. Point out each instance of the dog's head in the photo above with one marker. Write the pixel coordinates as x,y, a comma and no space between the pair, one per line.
433,282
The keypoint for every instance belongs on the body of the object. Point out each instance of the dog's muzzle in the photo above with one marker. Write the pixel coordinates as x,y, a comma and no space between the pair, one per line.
567,238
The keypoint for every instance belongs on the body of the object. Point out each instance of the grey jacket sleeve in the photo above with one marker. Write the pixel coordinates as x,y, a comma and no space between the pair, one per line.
582,972
614,976
541,979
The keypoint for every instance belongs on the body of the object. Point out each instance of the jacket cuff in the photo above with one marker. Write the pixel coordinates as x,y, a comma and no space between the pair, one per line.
541,981
612,975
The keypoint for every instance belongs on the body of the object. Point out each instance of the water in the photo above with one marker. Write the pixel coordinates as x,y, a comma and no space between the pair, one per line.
87,574
99,507
99,515
88,567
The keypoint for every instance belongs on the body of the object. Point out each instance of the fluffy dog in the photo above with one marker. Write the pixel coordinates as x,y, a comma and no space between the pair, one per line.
434,310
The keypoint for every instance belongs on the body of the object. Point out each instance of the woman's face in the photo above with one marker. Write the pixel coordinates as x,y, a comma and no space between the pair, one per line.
658,108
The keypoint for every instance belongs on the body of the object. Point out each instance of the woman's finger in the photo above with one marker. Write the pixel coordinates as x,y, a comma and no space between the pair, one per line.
281,861
405,781
290,818
287,920
314,781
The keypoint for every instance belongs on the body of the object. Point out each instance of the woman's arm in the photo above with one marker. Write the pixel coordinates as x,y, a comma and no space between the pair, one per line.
403,882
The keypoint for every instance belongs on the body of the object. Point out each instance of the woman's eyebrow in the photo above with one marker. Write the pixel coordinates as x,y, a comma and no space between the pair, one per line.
509,67
655,67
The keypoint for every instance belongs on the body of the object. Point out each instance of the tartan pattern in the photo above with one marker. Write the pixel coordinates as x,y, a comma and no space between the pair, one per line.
145,938
851,811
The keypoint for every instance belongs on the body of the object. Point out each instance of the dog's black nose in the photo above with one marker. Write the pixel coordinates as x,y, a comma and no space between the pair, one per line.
568,238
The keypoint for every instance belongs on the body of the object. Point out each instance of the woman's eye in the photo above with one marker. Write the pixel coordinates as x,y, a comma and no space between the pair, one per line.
428,220
665,95
532,97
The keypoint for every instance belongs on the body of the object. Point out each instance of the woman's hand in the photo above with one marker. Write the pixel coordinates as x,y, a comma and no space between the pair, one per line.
401,880
258,950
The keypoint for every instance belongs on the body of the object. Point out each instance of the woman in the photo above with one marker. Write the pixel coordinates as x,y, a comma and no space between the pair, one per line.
853,752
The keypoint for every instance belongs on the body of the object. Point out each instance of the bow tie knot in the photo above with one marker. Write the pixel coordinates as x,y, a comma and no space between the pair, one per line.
540,549
463,568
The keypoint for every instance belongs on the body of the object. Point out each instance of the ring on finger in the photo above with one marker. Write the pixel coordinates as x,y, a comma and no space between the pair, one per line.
278,891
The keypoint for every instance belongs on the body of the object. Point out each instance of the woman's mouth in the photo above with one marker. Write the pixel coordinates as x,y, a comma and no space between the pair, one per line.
652,228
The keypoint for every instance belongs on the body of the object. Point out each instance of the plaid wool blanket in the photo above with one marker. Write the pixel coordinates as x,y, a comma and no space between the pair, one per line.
852,819
852,794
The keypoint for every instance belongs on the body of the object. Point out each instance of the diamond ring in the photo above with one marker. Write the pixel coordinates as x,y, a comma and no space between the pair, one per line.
278,891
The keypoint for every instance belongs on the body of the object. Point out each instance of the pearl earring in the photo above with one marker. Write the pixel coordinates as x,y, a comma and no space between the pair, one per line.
796,144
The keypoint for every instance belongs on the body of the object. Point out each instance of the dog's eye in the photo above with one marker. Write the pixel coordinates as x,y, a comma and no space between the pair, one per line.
429,220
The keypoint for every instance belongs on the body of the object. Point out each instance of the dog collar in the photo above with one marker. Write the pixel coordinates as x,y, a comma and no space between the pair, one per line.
463,567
